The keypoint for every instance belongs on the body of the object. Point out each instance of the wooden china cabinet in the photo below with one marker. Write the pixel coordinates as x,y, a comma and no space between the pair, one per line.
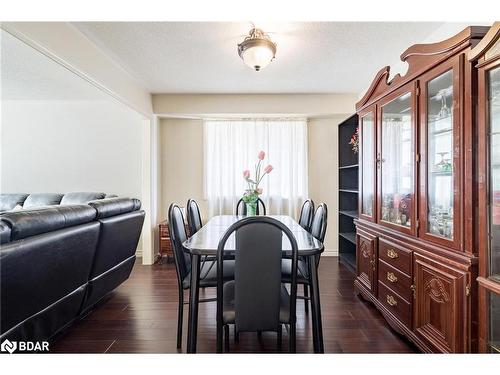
417,250
486,58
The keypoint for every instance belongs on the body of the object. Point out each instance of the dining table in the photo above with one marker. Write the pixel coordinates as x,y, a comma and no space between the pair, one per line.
205,243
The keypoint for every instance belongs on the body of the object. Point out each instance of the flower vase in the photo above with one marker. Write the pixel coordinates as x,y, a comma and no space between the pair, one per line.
251,208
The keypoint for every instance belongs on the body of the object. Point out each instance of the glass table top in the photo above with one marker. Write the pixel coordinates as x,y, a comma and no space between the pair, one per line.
206,240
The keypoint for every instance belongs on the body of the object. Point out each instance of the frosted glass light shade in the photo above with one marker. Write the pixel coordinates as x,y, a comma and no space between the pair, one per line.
257,57
257,51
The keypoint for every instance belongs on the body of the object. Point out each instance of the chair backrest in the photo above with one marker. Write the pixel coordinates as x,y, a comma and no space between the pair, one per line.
241,207
178,235
193,216
258,245
306,214
319,223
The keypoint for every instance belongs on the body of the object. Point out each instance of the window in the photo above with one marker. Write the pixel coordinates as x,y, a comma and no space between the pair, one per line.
231,146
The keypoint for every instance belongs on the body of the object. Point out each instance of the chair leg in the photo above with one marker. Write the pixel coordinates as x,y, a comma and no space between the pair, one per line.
180,316
236,335
226,338
219,336
293,348
280,337
259,334
306,301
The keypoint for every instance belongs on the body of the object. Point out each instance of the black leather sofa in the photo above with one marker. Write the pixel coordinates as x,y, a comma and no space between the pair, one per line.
57,262
9,202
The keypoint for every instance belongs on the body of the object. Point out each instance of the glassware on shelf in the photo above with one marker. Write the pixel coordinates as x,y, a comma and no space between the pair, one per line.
445,111
444,165
447,166
440,222
397,210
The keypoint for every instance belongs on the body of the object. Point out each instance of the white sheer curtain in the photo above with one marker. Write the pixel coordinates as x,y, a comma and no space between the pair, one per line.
231,146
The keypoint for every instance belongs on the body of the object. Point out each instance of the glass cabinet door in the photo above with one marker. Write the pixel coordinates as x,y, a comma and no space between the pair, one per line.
396,162
493,117
439,156
494,171
368,164
494,323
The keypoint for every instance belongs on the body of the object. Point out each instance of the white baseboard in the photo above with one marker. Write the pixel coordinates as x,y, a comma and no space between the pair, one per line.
330,253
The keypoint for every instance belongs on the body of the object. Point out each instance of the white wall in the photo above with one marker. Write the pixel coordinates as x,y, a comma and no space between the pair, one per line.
307,105
72,145
323,172
181,165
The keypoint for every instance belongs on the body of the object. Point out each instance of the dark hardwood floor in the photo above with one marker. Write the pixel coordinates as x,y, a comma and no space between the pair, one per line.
141,317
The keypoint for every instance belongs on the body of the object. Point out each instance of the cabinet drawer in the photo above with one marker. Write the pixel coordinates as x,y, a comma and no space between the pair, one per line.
396,280
400,308
396,256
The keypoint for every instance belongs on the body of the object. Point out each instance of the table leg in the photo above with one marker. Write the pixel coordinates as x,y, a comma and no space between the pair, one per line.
315,307
194,292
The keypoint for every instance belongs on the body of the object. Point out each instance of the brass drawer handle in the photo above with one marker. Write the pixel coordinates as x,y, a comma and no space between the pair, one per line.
391,277
391,253
391,301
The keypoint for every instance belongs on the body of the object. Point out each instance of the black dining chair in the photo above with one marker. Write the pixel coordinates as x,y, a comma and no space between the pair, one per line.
306,214
182,259
256,300
318,230
241,207
193,216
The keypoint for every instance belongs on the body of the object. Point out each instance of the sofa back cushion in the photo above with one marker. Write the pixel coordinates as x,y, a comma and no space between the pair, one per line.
27,223
42,199
9,201
4,232
82,197
114,206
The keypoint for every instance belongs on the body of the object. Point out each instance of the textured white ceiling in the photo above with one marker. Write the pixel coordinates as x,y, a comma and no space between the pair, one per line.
201,57
27,74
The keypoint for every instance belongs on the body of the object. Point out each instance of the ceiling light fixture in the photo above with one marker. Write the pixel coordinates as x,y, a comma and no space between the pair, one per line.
257,50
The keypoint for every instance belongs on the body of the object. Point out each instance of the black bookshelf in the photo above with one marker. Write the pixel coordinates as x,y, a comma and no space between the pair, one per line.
348,193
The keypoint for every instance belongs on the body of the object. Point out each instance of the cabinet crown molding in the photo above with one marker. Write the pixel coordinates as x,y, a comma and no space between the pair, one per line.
420,58
488,42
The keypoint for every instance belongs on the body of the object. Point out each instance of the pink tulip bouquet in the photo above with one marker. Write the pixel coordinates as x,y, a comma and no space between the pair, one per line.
251,195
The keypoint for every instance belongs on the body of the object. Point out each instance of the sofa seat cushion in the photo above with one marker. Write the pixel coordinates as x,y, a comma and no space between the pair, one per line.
9,201
29,223
37,272
42,199
82,197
